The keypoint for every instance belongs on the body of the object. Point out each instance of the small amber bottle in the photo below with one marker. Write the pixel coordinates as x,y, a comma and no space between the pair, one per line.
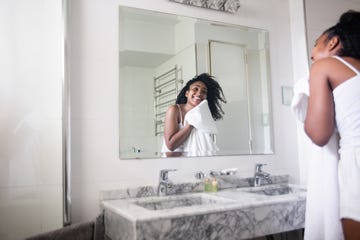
214,185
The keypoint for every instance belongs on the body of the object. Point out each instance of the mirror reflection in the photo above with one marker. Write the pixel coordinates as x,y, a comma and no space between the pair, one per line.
189,126
159,53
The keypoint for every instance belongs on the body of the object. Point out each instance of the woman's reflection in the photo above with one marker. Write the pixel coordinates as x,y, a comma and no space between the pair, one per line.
189,124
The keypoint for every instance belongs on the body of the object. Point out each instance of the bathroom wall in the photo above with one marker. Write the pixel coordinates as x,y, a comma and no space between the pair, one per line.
31,75
95,94
316,23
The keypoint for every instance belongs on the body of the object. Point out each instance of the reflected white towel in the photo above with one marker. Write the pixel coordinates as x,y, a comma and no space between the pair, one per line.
200,141
322,219
200,117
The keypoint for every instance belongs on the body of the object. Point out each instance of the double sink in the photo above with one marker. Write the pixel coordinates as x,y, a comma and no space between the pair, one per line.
180,201
234,213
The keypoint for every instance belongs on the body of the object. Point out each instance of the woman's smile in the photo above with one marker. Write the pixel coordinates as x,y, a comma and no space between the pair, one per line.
197,100
197,92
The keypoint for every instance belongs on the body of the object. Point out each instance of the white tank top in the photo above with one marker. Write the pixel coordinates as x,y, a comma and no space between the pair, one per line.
347,108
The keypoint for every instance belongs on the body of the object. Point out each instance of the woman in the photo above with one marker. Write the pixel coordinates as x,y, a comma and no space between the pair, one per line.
201,87
335,101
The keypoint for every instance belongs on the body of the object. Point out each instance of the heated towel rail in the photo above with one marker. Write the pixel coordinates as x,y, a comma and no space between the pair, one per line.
166,89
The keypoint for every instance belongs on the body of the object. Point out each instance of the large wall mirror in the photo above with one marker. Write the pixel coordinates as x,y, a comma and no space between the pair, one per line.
159,53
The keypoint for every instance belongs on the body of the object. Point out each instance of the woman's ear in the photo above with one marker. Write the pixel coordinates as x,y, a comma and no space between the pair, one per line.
334,44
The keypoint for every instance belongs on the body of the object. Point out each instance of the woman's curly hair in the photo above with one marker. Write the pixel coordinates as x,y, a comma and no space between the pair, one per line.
215,94
348,31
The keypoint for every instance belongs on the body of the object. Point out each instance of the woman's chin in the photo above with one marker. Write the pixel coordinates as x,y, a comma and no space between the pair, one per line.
197,102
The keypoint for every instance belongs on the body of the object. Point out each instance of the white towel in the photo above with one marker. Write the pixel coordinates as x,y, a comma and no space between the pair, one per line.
200,141
322,219
200,117
300,99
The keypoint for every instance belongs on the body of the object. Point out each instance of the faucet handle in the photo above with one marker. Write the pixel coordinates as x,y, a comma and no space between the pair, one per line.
258,166
200,175
164,174
228,171
214,173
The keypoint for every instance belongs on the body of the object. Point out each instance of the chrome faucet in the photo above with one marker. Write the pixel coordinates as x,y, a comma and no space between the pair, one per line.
164,182
260,175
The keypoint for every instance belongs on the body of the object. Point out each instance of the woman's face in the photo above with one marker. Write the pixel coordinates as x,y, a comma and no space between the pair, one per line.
320,48
324,47
196,93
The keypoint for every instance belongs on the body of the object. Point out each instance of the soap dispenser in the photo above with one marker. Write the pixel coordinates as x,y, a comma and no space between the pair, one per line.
214,185
208,184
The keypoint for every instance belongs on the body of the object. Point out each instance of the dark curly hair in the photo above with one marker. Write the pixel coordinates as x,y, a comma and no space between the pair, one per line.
348,31
215,94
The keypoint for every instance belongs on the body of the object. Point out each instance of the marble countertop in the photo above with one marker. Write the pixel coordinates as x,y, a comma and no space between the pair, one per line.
230,213
229,199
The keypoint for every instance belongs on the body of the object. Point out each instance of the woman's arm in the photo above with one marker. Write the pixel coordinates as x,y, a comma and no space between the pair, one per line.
174,136
320,117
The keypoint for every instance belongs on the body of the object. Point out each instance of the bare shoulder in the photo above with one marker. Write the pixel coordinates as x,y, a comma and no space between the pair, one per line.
325,63
328,66
173,108
331,70
172,111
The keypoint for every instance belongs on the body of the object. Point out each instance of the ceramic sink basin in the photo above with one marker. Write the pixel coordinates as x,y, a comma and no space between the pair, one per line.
276,190
180,201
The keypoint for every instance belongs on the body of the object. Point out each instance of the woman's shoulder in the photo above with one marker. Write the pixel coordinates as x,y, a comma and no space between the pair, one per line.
326,64
332,69
173,109
326,60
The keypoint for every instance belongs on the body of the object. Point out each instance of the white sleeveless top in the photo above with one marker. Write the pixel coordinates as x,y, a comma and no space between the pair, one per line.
347,108
200,141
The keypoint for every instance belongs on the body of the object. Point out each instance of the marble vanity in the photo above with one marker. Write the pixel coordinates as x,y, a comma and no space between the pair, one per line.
236,211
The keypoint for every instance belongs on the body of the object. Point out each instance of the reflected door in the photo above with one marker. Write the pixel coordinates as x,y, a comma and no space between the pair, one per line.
228,65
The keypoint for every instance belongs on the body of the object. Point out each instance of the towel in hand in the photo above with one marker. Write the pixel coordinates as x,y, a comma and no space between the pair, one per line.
300,99
322,219
200,141
200,117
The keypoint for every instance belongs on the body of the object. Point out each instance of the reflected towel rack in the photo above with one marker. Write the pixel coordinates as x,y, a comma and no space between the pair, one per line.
166,88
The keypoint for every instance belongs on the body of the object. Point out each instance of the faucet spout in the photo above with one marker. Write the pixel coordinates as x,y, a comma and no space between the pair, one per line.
164,182
260,176
162,189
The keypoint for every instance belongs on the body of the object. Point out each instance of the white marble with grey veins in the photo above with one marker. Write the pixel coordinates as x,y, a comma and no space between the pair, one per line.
221,5
226,181
231,213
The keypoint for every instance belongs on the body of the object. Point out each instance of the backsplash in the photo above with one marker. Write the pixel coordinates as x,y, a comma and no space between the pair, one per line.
188,187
